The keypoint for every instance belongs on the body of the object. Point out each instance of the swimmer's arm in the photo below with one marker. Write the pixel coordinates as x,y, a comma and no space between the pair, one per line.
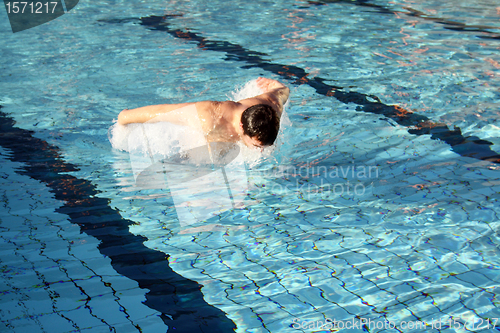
144,114
280,96
163,112
275,93
273,87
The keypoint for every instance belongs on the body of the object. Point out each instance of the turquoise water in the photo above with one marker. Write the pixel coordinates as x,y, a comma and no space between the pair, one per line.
379,205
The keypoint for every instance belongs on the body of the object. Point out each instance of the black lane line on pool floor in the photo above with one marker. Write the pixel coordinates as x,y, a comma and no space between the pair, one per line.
169,293
447,23
470,146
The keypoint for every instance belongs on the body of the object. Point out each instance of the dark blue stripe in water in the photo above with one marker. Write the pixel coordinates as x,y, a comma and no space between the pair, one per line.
417,124
450,24
169,293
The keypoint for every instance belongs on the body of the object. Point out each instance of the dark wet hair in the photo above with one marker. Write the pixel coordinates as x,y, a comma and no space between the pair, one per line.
262,122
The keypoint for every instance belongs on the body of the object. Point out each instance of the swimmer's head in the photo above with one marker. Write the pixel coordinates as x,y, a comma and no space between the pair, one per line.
260,124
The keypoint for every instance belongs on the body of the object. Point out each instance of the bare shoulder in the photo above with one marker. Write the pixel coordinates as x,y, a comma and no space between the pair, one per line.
214,109
231,106
260,99
211,112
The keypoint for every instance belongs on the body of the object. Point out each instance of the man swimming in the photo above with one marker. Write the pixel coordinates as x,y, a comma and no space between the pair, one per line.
254,121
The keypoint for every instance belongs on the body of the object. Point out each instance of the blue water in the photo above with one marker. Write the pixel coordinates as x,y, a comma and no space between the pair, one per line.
379,205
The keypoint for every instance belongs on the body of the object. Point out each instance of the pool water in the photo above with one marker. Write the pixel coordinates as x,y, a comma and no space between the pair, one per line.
377,209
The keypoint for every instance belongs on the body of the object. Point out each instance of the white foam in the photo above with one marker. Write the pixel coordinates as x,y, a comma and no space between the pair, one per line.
250,89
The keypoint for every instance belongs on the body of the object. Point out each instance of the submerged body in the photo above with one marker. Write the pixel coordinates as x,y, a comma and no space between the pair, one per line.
254,121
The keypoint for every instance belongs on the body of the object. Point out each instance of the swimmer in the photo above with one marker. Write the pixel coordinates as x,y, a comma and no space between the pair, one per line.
254,121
